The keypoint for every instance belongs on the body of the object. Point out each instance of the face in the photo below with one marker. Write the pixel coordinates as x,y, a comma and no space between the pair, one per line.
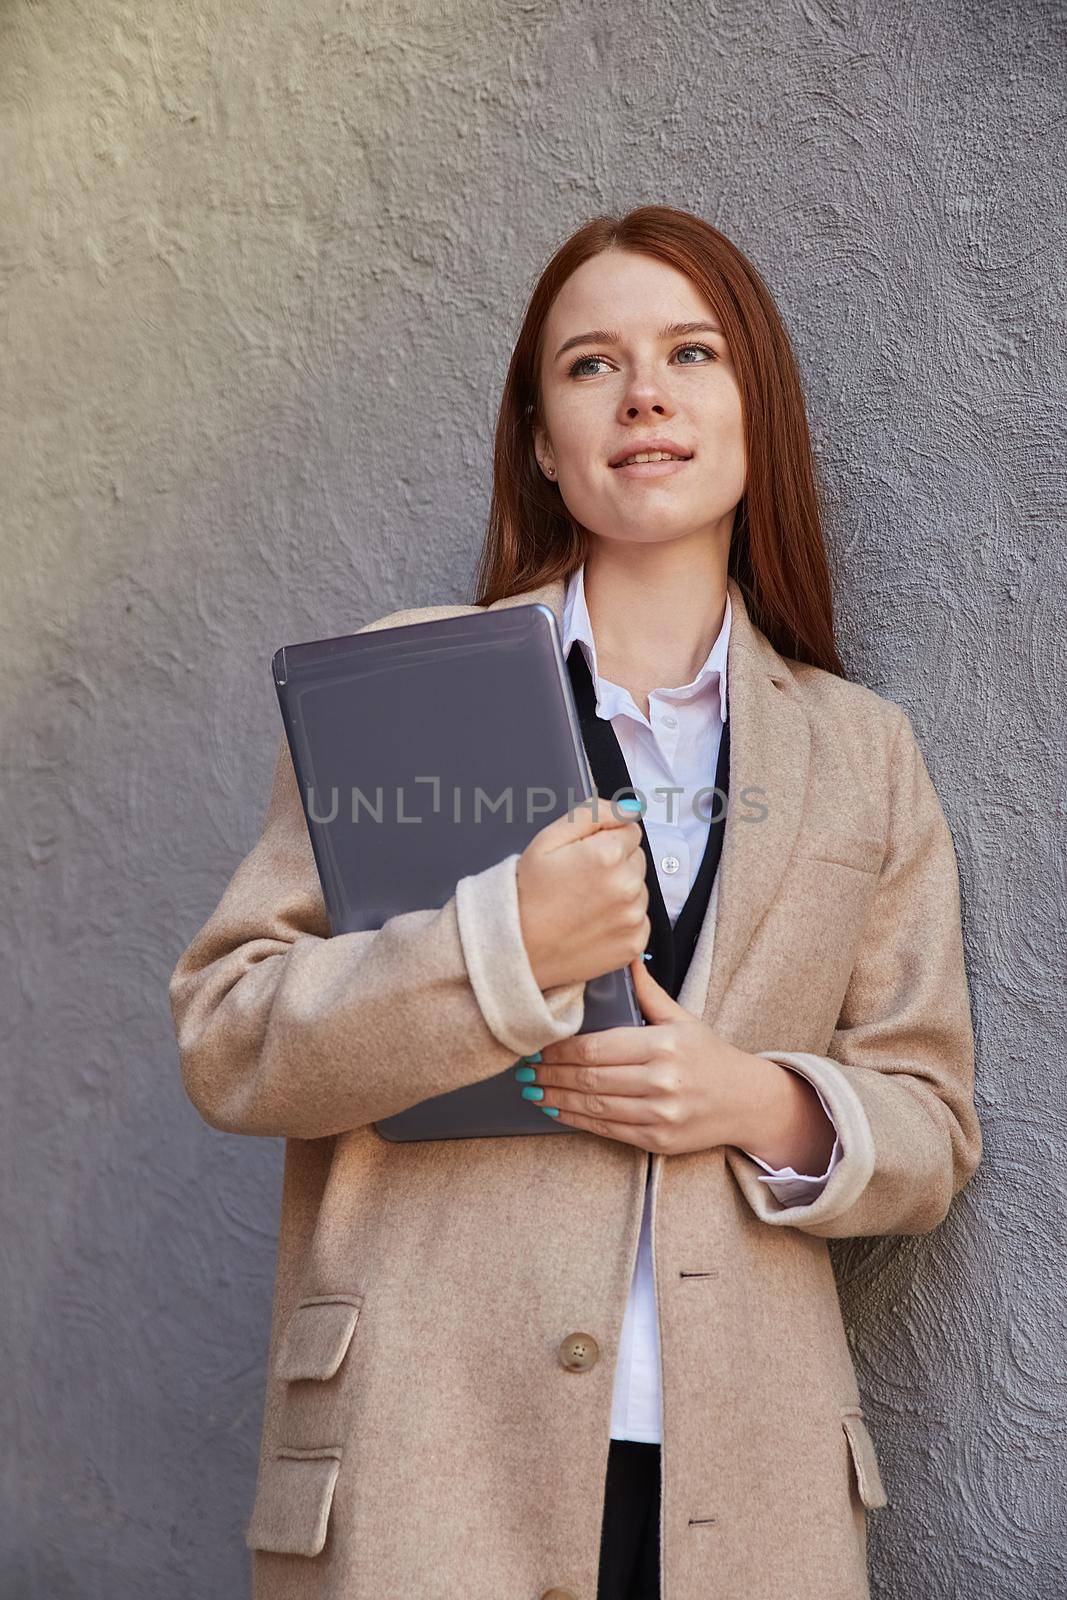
630,382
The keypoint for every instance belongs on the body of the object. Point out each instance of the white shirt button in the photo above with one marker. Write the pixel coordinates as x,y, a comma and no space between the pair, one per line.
670,722
670,863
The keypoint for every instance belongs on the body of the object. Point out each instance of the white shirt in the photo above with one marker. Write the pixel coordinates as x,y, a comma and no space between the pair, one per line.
675,746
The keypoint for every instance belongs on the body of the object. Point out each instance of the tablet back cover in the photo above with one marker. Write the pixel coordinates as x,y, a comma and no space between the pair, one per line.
425,753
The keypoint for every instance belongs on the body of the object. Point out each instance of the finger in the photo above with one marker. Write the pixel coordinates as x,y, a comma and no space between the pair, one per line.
641,1136
588,817
601,1112
607,1081
655,1002
603,1047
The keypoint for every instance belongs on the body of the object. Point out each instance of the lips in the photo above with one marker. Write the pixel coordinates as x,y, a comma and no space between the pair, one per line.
649,447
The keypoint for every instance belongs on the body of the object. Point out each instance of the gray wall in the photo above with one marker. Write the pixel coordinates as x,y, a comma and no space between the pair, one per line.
259,273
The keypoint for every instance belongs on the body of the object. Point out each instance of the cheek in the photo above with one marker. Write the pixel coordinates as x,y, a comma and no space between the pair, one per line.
726,450
722,478
577,435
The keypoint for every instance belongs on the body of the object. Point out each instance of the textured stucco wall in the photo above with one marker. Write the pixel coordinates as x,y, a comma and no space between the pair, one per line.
259,270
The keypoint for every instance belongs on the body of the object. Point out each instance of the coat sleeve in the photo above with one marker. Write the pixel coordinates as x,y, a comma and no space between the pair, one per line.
898,1076
286,1031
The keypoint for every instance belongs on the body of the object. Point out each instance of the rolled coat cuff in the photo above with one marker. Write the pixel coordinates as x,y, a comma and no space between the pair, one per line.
849,1174
516,1011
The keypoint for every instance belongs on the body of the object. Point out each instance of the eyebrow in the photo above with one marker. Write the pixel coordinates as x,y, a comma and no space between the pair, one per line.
673,330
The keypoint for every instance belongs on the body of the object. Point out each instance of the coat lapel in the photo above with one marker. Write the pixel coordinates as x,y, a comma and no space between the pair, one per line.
770,749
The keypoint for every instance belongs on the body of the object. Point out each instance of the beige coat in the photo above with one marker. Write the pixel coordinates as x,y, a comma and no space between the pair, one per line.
428,1433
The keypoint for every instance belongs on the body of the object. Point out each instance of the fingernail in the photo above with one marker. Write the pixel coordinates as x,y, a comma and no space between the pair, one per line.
629,805
530,1093
535,1057
526,1074
549,1111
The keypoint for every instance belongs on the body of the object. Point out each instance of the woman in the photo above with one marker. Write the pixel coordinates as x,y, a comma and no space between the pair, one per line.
512,1369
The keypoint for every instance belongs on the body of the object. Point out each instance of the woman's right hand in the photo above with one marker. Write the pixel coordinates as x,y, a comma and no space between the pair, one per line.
583,895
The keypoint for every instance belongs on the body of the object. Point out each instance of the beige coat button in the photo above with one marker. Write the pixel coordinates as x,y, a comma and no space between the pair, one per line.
559,1594
578,1352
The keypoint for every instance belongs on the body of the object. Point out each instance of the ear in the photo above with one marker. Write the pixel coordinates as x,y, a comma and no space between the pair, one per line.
542,448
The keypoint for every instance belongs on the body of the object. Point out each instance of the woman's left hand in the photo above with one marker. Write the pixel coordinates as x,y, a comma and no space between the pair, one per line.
671,1086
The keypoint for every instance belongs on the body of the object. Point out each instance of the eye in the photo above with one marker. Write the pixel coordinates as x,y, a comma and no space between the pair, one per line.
581,361
703,347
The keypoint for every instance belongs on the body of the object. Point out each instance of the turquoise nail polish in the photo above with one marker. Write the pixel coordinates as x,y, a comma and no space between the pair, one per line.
535,1057
549,1111
530,1093
526,1074
628,805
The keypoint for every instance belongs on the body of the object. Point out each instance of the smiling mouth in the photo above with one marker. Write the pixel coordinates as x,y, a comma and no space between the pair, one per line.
651,471
644,459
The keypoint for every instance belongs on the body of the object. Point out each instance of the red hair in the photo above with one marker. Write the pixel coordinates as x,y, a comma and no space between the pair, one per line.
777,551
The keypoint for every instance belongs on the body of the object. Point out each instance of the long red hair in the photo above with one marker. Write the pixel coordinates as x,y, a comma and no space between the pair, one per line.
777,551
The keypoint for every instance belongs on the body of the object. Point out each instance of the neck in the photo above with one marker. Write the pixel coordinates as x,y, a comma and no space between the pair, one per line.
656,610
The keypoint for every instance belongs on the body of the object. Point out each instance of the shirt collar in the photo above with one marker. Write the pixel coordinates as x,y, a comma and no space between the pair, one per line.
577,628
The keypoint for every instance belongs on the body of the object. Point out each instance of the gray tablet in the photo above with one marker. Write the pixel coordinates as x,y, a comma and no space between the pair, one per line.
426,753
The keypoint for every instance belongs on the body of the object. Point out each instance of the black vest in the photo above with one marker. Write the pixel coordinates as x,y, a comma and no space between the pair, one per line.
671,948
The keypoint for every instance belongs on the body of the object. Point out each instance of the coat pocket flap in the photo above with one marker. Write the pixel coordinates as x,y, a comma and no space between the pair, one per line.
293,1499
317,1336
868,1477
